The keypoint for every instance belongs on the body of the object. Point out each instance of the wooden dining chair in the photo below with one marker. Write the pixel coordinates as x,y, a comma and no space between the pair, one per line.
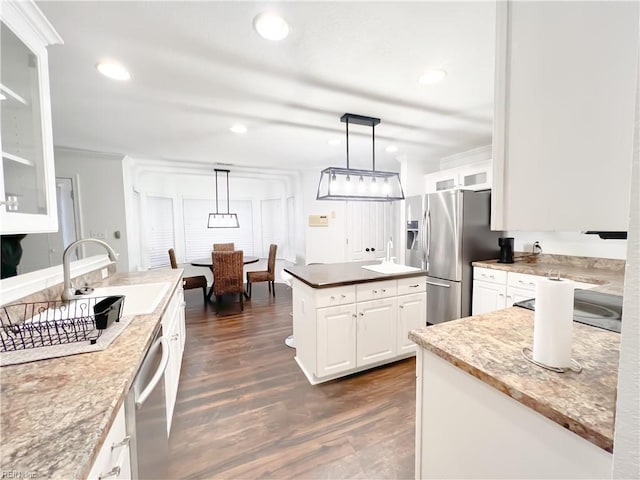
188,283
227,275
268,275
223,247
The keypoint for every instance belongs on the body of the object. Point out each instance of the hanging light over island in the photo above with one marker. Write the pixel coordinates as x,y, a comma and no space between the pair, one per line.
338,183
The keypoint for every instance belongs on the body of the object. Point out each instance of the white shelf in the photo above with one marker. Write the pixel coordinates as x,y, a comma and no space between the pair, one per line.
17,159
13,95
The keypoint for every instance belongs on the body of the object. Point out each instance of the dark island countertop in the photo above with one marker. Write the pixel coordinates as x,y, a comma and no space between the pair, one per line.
340,274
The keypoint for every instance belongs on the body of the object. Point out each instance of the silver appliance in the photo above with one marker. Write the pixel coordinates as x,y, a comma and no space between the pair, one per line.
146,414
451,231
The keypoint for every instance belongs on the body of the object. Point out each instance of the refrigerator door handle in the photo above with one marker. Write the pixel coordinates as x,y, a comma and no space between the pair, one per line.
438,284
428,230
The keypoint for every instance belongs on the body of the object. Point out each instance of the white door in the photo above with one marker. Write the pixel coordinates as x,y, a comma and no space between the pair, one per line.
412,315
336,339
376,331
487,297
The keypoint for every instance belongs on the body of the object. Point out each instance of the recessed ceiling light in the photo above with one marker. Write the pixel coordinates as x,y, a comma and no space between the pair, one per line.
391,149
334,141
429,77
113,70
238,128
271,26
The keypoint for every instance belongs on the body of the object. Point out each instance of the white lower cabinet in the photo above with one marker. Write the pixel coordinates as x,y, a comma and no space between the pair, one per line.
366,325
173,329
113,460
376,339
336,339
412,314
497,289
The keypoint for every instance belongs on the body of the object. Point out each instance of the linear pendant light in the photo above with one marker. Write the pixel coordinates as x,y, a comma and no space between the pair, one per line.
223,220
337,183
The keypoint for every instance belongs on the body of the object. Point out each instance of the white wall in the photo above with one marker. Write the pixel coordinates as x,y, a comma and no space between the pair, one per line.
570,243
626,451
322,244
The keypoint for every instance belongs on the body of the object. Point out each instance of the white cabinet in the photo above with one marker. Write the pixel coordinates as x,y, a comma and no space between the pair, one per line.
27,177
342,330
376,339
498,289
475,176
336,339
114,458
412,315
562,151
174,330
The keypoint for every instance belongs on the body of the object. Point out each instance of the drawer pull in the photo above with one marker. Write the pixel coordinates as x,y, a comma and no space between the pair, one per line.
332,297
401,306
114,472
125,441
414,286
343,295
175,336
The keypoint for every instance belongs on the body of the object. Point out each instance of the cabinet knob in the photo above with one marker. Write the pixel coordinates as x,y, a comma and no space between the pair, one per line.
366,249
361,314
384,290
332,297
373,249
175,336
354,315
343,295
375,291
401,306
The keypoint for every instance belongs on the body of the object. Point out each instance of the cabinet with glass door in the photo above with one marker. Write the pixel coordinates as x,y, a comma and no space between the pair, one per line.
27,177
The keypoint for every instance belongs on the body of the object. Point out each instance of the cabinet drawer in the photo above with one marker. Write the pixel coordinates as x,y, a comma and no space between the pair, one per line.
489,275
328,297
374,290
523,280
412,285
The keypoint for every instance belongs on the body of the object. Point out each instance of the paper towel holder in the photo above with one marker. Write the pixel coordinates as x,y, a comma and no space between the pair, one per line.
527,354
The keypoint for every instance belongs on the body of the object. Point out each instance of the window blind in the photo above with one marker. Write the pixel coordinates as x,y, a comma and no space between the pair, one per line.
161,233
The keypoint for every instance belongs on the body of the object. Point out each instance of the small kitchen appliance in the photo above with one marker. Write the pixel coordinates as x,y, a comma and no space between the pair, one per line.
506,249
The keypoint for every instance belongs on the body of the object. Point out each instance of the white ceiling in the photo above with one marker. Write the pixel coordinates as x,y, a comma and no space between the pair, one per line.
199,67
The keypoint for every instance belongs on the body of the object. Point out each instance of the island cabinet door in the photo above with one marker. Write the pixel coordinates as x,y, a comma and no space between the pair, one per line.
412,315
376,331
336,327
487,297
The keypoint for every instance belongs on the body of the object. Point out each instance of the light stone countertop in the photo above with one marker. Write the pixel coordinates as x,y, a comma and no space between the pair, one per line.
489,347
608,274
55,414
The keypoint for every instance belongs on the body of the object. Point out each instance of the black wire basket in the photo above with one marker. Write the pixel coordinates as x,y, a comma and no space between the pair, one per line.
42,324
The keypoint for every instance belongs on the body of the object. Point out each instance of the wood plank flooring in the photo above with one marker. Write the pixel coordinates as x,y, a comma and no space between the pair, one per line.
245,410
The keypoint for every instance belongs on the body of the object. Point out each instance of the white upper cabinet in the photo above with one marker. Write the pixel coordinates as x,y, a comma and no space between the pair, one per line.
563,123
27,177
475,176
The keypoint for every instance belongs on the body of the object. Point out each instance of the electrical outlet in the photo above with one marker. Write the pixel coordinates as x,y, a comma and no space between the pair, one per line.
105,273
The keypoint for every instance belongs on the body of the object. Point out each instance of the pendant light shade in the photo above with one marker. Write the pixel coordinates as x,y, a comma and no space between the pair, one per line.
338,183
221,219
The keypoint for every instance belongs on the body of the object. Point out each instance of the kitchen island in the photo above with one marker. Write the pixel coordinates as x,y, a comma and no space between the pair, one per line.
58,413
347,319
483,411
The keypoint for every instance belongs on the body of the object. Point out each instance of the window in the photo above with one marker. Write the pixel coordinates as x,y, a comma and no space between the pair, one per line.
199,239
161,234
272,228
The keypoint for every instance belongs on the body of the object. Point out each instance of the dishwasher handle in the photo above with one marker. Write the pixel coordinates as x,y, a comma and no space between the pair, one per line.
159,373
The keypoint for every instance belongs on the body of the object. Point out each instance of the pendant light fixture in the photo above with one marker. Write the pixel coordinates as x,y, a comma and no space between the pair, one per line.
223,220
337,183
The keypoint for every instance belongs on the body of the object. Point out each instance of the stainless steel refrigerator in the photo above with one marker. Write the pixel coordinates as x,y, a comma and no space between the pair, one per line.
445,232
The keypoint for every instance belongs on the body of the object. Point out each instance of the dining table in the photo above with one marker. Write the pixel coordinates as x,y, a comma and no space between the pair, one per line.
208,262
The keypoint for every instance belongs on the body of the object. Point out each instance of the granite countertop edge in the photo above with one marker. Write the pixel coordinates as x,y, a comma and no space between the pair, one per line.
78,449
555,415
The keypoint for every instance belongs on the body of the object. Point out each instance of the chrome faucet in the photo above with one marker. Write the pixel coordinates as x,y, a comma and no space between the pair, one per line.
68,292
389,247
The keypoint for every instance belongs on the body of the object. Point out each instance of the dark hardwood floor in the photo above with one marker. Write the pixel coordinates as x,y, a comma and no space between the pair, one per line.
245,410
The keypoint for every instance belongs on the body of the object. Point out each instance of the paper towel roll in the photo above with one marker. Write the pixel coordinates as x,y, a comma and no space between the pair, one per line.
553,322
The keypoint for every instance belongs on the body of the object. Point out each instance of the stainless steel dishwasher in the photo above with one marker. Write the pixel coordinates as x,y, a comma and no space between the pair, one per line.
146,414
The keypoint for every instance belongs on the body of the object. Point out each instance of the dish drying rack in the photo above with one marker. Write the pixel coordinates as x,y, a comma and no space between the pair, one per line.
47,323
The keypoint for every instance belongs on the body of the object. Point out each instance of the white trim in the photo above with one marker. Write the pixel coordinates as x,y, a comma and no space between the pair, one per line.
14,288
33,16
500,115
